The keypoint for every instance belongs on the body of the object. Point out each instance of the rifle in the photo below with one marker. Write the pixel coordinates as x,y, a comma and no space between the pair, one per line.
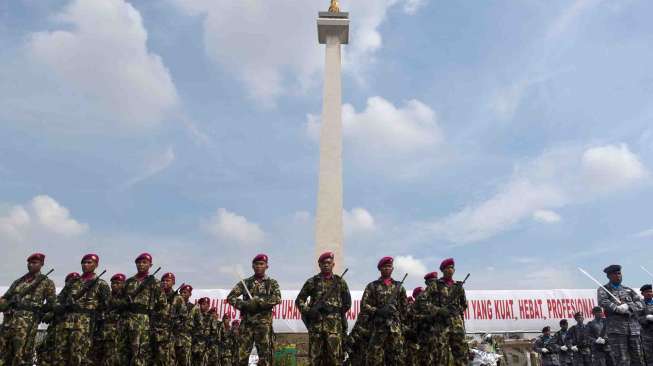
143,285
386,309
87,287
14,298
179,288
319,305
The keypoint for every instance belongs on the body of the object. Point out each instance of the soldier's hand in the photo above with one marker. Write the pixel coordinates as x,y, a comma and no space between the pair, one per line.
574,348
600,340
544,350
622,309
564,348
649,317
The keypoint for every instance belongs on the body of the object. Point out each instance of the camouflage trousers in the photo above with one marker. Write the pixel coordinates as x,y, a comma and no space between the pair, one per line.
325,348
385,348
74,341
454,337
433,349
183,349
112,346
647,348
45,350
259,335
413,353
137,333
18,338
164,346
626,350
201,352
213,357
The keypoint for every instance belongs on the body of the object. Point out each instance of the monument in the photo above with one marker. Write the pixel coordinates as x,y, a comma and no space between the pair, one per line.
332,31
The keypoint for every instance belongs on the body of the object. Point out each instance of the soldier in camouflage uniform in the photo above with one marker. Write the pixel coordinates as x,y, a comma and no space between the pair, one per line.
547,347
601,353
384,300
622,322
579,340
323,314
234,335
202,321
182,325
113,347
256,328
357,341
84,305
646,320
430,328
413,323
226,342
54,319
163,339
145,301
565,354
23,304
215,343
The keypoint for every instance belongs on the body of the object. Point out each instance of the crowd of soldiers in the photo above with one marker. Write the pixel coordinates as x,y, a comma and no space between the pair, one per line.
143,320
621,333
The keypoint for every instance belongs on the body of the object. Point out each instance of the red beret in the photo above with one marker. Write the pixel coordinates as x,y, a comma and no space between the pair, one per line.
91,256
119,277
446,263
417,291
188,288
325,255
383,261
144,256
37,256
431,275
72,276
168,274
260,258
203,300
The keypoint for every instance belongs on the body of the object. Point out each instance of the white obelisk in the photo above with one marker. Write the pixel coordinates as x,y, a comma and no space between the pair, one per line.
333,30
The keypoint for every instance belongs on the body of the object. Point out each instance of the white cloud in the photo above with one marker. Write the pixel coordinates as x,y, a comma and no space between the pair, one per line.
101,54
272,45
546,216
555,179
408,264
14,223
358,220
644,234
153,166
229,226
412,6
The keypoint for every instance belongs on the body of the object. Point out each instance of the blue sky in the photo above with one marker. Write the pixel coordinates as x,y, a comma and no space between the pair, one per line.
516,137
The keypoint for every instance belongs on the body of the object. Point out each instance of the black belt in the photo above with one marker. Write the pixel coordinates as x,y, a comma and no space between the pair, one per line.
138,309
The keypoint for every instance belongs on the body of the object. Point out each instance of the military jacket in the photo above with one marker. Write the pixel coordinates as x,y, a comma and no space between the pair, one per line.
181,314
335,306
376,295
647,325
31,302
578,336
150,301
266,295
626,324
85,306
550,343
596,328
203,329
561,338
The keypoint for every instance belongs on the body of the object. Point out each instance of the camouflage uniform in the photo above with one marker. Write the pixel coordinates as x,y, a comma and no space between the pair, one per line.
647,332
357,341
182,325
256,326
202,336
114,346
386,342
54,319
215,344
412,338
150,302
601,353
578,336
162,333
549,358
429,330
325,320
226,346
21,320
622,329
78,325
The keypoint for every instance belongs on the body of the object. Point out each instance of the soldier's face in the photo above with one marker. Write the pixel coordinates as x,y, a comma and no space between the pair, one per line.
564,326
648,294
117,286
449,271
143,265
326,266
204,307
167,283
88,266
34,266
597,314
579,319
547,333
615,277
185,294
259,268
386,270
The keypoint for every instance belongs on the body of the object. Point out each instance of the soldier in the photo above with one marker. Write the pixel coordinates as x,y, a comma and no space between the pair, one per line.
384,300
163,340
145,299
202,320
357,341
646,319
622,323
453,305
85,303
430,278
579,339
565,354
114,348
217,331
23,304
256,328
226,342
182,324
235,339
413,323
547,347
601,355
54,318
323,314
